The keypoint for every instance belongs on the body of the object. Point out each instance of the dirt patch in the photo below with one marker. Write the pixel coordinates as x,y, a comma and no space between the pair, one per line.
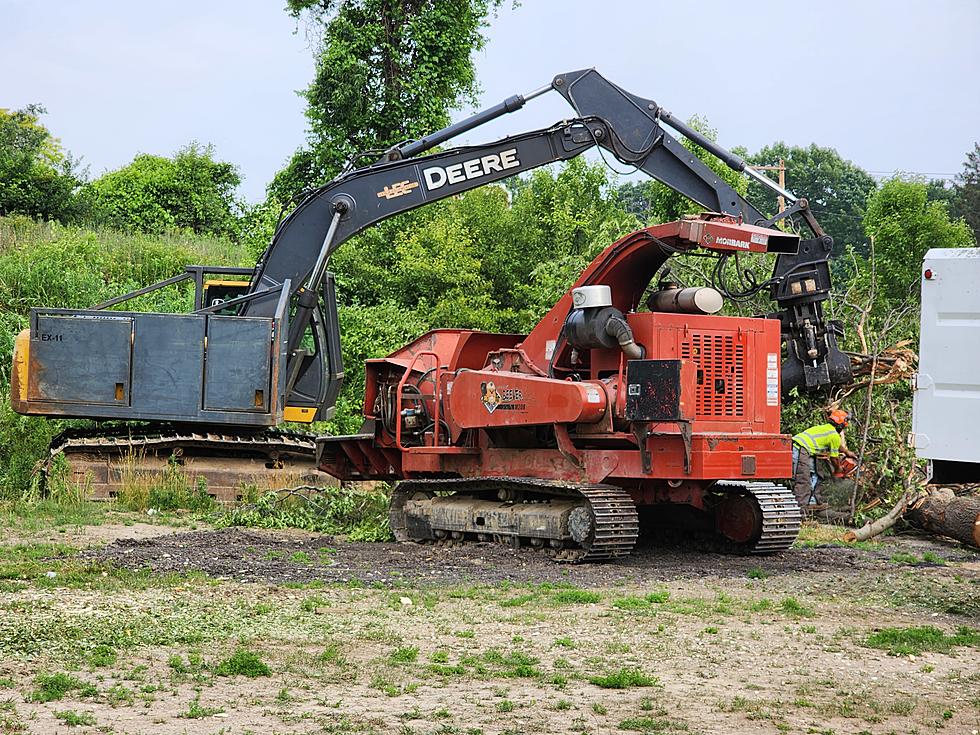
278,557
92,535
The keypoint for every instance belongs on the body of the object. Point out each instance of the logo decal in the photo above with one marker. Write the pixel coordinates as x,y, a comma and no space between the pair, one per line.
506,399
490,397
398,189
436,176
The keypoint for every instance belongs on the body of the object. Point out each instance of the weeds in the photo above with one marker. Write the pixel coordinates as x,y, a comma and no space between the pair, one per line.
243,663
916,640
360,515
52,687
624,679
75,719
195,711
576,597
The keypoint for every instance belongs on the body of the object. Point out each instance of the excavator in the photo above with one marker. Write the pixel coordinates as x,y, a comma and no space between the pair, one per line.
630,394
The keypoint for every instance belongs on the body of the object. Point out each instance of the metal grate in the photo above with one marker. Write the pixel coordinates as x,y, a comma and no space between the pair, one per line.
720,364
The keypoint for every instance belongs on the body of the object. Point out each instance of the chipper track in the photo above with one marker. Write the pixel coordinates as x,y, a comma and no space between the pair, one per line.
779,510
572,523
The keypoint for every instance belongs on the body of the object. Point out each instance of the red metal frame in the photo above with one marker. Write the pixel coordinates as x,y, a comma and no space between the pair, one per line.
436,398
730,428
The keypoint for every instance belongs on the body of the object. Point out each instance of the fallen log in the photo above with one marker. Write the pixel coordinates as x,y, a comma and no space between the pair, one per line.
872,528
943,512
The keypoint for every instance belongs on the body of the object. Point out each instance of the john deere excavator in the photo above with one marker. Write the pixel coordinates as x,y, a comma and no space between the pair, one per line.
216,381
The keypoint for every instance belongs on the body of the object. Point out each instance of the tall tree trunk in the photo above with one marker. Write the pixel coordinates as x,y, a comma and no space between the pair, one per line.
943,513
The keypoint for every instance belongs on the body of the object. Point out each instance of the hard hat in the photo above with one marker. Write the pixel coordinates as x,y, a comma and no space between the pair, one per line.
839,417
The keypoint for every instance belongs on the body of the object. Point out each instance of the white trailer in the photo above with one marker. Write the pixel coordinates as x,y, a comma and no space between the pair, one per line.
946,408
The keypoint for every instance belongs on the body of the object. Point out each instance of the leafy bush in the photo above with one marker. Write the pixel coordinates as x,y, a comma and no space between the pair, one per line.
243,663
153,194
358,514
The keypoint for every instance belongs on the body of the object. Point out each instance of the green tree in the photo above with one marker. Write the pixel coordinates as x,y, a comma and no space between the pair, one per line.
967,191
904,225
151,194
37,177
387,71
836,189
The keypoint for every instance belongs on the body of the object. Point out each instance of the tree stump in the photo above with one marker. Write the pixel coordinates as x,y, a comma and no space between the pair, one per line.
943,512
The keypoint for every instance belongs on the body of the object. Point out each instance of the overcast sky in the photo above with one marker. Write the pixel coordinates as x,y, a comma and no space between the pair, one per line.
893,85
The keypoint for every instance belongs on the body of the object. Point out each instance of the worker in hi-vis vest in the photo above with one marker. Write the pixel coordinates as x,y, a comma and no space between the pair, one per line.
824,440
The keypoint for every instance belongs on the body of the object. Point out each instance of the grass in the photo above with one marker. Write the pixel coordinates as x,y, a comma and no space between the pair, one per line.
53,687
624,679
652,726
243,663
404,655
76,719
102,656
794,608
917,640
195,711
576,597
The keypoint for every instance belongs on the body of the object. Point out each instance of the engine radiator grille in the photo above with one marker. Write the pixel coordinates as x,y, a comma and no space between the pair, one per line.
720,361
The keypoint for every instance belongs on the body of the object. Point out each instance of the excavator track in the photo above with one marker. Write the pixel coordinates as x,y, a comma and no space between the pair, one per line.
572,523
778,510
101,459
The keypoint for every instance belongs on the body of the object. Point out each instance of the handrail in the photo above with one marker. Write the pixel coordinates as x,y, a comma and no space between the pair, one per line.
398,399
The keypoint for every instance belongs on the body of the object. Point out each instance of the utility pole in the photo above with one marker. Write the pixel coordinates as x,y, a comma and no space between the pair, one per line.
781,168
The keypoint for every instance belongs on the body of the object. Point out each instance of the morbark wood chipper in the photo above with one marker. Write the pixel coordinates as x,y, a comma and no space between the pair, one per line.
625,396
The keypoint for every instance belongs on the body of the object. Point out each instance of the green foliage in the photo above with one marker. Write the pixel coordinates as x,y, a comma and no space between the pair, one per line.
387,71
152,194
361,515
76,719
243,663
37,177
904,225
52,687
624,679
405,655
103,655
966,201
576,597
195,711
916,640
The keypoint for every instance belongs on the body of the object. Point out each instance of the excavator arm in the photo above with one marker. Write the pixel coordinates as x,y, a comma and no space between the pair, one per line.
631,128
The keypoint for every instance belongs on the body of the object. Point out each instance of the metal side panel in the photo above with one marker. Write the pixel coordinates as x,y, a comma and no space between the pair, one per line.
168,365
80,358
238,364
947,396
